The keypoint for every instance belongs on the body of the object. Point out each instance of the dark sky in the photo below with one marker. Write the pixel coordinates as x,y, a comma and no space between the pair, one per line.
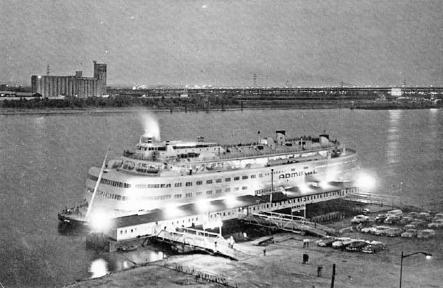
224,42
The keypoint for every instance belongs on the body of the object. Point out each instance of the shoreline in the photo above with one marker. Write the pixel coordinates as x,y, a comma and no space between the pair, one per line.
12,111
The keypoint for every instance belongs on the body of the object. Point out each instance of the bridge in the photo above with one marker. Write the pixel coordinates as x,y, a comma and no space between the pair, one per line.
286,222
189,239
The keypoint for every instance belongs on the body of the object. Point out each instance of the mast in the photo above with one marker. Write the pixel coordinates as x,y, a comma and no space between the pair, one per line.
97,183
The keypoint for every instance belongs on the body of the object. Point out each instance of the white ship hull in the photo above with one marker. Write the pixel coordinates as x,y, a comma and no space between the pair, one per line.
122,193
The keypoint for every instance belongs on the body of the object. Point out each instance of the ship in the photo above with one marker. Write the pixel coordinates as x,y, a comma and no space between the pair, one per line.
159,174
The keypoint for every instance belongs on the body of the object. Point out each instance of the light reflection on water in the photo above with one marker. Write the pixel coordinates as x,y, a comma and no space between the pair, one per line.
98,268
393,136
118,261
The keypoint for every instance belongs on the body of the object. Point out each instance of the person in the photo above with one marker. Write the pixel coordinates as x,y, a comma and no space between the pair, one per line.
264,252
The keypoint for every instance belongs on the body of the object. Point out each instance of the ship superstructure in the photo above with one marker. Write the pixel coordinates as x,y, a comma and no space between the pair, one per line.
157,174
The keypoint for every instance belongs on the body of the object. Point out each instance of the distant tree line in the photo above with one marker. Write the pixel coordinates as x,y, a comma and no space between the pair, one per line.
119,101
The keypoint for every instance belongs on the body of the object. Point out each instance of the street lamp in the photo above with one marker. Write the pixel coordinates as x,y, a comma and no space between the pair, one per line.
428,256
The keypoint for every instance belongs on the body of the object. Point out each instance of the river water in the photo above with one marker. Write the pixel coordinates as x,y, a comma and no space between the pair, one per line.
45,158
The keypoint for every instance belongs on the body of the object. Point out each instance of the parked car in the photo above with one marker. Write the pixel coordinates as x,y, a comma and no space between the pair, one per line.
426,234
396,212
366,211
405,220
394,232
373,247
425,216
327,241
380,230
392,219
380,218
360,219
356,245
413,214
438,216
339,242
410,233
418,223
410,226
437,223
367,229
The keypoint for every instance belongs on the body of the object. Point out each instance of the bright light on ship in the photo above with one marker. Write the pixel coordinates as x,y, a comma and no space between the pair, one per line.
203,205
171,210
324,184
231,201
150,125
99,221
304,188
365,182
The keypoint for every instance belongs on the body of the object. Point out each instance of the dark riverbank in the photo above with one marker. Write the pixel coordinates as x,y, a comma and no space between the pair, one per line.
249,105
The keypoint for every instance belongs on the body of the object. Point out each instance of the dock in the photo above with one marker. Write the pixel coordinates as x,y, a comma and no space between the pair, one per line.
178,225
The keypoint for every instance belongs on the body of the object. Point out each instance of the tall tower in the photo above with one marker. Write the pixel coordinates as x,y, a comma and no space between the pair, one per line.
100,76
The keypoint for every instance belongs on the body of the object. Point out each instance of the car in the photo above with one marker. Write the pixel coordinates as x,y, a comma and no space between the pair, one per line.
380,218
325,242
356,245
338,243
396,212
405,220
425,216
410,226
409,233
367,229
366,211
413,214
394,232
392,219
438,216
380,230
418,223
360,219
437,223
373,247
426,234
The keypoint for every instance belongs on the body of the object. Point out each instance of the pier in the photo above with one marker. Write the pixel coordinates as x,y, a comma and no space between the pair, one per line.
180,221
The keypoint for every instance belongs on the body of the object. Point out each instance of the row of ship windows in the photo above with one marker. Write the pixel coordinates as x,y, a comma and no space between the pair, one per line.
200,182
109,182
167,197
168,185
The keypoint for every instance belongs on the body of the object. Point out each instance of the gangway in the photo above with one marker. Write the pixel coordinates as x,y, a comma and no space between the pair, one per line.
189,239
288,222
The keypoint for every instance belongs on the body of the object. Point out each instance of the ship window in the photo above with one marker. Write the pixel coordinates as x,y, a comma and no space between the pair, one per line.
227,179
237,188
253,176
199,182
188,195
236,178
260,175
244,187
228,190
178,184
188,184
178,196
218,180
244,177
199,193
218,191
208,181
209,192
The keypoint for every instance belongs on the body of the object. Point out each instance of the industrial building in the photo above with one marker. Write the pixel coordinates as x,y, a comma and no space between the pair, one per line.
77,86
